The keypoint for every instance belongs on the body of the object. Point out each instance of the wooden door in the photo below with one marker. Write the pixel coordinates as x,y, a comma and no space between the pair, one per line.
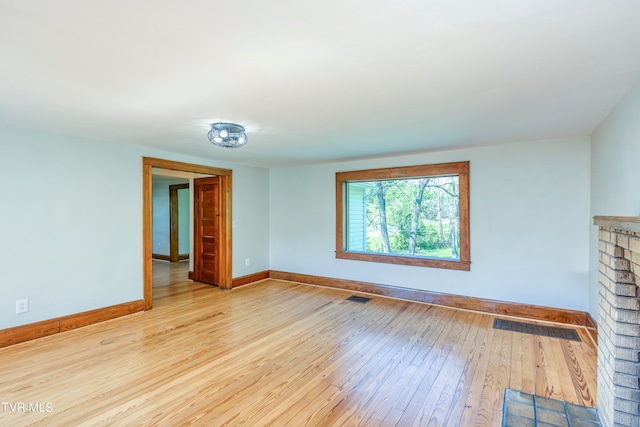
206,244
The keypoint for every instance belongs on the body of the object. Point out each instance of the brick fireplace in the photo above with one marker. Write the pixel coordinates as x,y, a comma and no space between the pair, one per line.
619,320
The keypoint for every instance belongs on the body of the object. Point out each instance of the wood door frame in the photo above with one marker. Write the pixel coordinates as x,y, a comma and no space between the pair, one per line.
148,163
174,249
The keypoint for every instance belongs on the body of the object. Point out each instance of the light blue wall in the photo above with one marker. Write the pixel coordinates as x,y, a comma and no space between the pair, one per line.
74,223
76,213
184,234
162,217
161,223
529,224
615,174
71,238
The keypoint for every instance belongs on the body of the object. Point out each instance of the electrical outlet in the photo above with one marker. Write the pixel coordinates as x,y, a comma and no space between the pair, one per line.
22,306
247,262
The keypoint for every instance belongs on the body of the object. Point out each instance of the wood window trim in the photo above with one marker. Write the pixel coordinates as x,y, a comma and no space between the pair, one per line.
461,169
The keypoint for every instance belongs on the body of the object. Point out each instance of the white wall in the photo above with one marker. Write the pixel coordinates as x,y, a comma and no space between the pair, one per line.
529,224
615,174
71,239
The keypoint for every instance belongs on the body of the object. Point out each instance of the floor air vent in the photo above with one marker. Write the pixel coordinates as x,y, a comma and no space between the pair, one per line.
356,298
530,328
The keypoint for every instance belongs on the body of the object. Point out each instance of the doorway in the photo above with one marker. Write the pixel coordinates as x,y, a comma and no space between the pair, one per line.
223,258
179,222
171,215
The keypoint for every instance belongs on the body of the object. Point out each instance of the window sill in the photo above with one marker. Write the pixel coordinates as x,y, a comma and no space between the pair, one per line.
406,260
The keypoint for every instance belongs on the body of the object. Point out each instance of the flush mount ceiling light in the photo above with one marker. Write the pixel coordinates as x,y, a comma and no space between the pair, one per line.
227,135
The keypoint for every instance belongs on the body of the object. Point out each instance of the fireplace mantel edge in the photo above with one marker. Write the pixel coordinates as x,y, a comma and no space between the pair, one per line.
625,223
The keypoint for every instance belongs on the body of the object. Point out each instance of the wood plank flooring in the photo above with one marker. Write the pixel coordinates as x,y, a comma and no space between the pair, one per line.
277,353
166,273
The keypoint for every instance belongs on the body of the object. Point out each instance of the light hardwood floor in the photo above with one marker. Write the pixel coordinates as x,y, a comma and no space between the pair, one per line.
166,273
286,354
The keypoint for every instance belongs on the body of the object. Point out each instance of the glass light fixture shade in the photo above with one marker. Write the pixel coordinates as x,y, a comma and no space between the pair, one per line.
227,135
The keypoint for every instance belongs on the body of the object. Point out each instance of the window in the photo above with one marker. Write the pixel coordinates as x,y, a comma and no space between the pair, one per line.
414,215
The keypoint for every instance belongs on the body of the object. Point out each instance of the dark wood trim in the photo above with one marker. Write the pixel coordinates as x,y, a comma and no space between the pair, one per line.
464,213
456,168
591,323
250,278
405,260
99,315
174,220
592,328
226,268
190,275
148,163
147,232
401,172
173,225
527,311
28,332
32,331
625,223
161,257
185,167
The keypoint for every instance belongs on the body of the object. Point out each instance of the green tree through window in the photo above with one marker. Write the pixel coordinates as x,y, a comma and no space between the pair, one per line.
409,216
414,215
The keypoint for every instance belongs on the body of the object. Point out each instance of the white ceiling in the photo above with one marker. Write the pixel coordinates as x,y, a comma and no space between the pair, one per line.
316,81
